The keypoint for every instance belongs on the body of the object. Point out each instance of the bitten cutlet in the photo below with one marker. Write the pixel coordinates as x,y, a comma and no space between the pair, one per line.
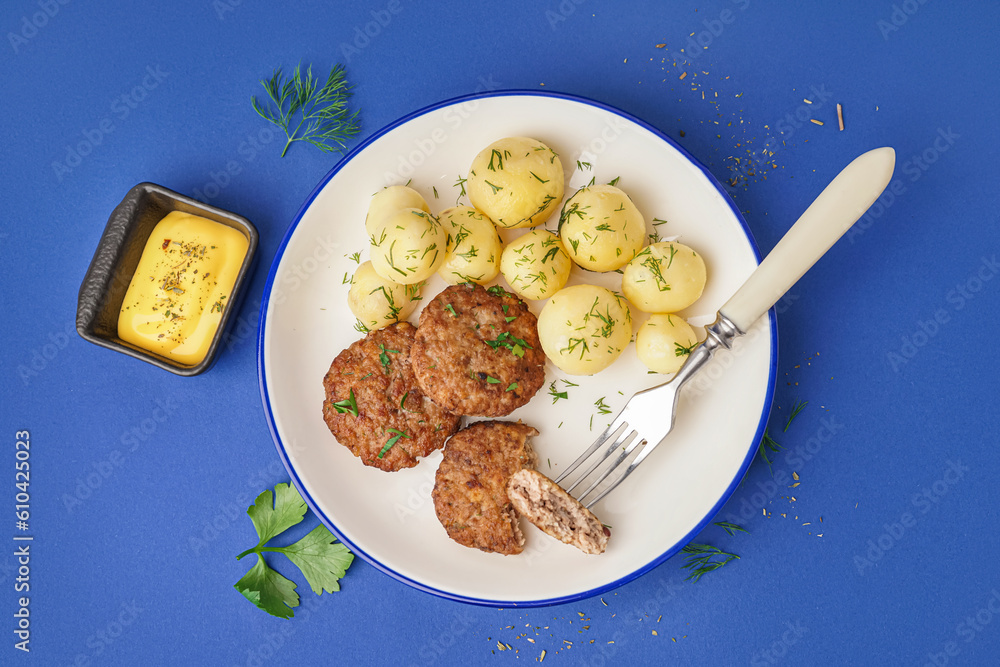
470,488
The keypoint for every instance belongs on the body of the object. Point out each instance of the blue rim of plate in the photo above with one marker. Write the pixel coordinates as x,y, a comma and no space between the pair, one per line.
261,375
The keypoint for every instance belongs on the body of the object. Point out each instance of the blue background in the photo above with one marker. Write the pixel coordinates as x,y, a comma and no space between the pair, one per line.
890,338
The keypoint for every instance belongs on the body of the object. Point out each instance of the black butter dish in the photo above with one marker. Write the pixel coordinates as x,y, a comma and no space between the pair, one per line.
122,246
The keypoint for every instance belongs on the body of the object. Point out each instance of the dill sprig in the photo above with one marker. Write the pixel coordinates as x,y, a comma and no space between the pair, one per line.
796,409
731,528
323,117
460,183
768,444
704,558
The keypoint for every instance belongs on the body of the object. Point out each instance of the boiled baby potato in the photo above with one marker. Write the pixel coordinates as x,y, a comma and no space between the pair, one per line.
584,328
601,228
664,277
536,265
516,182
389,200
378,302
664,342
408,246
473,250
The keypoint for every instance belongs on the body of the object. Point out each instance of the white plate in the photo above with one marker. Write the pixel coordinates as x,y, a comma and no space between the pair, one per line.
388,518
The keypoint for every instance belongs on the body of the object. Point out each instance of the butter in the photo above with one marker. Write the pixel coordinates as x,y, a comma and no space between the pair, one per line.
181,287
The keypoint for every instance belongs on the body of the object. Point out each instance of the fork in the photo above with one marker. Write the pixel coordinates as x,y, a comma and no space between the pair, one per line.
644,423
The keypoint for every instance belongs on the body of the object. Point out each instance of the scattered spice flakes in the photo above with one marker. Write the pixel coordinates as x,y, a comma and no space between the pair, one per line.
542,656
813,120
795,475
654,633
807,101
840,116
683,75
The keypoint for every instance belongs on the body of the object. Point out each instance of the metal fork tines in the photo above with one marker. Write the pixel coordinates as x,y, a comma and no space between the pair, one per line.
642,424
621,437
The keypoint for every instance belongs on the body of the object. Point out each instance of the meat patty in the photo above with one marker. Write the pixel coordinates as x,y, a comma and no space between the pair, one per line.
477,351
545,504
375,407
470,488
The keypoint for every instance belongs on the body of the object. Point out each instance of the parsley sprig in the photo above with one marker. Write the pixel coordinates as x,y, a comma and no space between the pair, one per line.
318,555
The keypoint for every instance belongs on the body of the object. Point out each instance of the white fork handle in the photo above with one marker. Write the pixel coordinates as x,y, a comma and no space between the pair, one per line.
838,207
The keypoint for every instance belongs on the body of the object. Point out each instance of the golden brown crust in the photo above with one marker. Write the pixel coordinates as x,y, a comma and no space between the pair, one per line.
389,402
470,488
477,352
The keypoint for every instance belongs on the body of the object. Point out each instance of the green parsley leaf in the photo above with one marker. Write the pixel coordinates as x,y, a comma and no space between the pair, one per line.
492,380
451,309
384,358
496,290
511,342
392,441
318,555
512,387
321,558
348,405
287,510
269,590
